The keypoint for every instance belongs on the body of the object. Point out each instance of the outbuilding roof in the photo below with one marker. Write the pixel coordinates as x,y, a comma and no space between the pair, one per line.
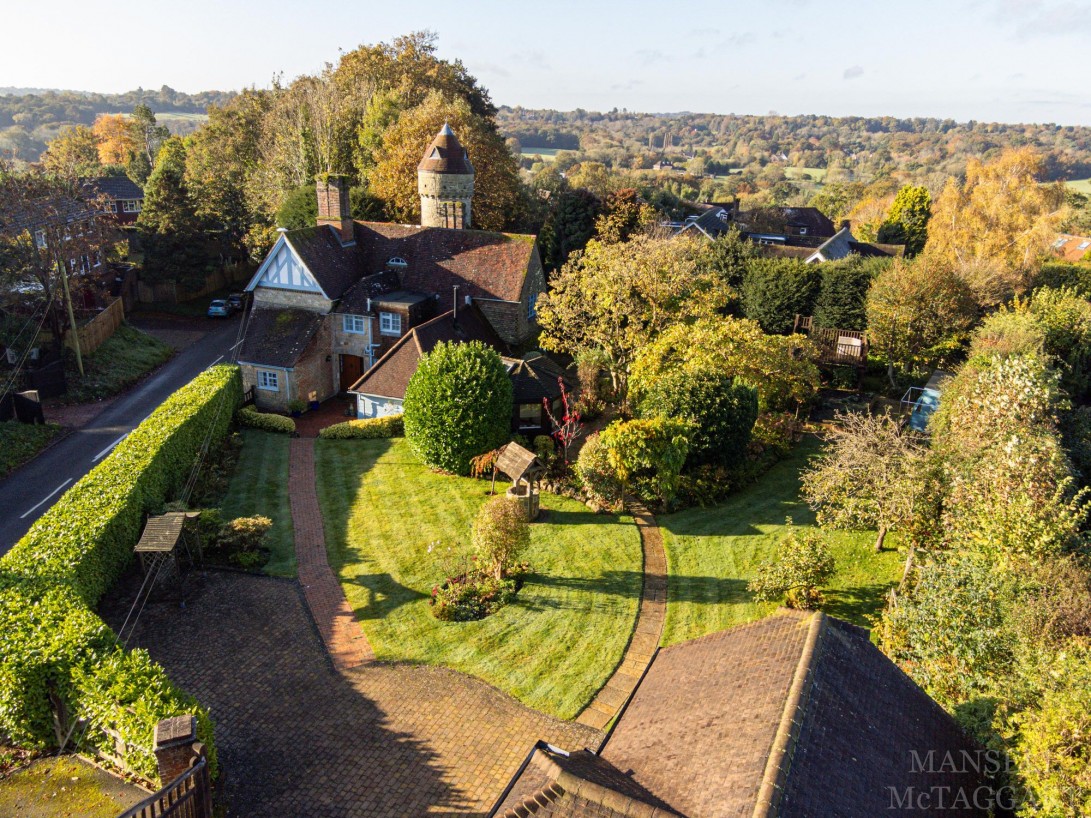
796,715
278,336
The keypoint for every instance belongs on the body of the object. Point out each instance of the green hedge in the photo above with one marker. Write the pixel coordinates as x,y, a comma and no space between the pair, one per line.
365,429
52,579
267,422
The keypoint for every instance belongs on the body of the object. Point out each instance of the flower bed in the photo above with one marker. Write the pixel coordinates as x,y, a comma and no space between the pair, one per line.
473,596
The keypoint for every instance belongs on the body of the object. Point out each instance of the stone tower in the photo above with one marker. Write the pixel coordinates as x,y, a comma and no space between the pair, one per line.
445,181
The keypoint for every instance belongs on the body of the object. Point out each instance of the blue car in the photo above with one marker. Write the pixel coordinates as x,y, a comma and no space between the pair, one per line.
219,308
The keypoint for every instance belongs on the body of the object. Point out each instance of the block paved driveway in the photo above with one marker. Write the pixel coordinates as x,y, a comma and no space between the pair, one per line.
297,738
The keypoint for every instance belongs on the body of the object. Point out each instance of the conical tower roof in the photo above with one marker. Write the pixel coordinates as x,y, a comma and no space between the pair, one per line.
446,154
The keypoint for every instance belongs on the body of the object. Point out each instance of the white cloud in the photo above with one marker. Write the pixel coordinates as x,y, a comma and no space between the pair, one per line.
853,72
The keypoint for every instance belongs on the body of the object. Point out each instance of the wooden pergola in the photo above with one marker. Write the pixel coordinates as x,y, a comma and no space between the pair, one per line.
159,542
522,466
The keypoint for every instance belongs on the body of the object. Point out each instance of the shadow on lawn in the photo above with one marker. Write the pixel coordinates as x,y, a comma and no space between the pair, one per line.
386,594
707,590
859,605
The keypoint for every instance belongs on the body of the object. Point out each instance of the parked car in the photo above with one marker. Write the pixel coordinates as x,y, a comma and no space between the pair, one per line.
219,308
237,301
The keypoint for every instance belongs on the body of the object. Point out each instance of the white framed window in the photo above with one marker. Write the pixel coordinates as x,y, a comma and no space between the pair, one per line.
530,414
109,206
397,261
39,239
355,324
268,380
390,323
803,231
131,205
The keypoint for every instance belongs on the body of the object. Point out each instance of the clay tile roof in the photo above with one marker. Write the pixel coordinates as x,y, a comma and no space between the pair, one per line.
278,336
1070,247
336,267
390,375
794,715
577,785
446,154
482,263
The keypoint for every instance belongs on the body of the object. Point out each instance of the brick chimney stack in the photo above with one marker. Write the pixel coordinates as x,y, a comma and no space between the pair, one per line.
333,206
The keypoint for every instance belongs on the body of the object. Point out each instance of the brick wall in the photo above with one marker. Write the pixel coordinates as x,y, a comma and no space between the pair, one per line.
312,372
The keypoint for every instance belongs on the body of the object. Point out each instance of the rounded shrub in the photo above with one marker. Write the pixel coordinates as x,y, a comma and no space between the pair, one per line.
265,421
501,535
721,411
458,404
600,479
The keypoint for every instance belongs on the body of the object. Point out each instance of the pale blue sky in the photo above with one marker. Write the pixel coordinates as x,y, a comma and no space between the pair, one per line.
1006,60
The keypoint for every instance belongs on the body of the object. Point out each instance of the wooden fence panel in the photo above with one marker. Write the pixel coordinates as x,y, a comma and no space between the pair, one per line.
95,332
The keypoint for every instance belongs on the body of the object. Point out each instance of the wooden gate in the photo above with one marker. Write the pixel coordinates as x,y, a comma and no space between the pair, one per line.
188,796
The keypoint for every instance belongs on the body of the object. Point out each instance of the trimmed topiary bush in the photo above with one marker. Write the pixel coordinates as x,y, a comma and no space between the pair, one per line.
458,404
365,429
265,421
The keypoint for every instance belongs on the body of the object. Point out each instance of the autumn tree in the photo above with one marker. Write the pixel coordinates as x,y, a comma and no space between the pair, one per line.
73,154
916,313
906,222
618,297
867,477
780,367
993,227
50,230
116,139
394,178
626,213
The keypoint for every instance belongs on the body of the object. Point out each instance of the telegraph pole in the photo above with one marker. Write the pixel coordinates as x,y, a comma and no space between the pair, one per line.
71,315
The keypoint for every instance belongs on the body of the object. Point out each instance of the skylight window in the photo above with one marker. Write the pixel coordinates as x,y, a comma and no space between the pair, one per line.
397,261
1084,245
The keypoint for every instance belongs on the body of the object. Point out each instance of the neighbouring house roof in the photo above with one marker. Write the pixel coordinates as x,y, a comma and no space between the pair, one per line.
780,219
446,154
116,187
1071,248
713,222
278,336
390,375
48,211
795,715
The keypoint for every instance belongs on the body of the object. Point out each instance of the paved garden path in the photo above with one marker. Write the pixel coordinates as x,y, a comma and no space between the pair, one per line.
646,634
298,738
342,634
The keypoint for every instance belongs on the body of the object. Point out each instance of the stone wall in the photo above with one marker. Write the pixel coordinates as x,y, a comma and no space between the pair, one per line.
438,188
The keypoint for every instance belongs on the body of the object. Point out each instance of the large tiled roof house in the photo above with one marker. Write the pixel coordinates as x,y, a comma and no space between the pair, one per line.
330,300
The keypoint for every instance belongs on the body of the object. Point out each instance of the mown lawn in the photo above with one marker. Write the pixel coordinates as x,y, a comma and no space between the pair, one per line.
260,486
21,441
389,518
123,359
713,552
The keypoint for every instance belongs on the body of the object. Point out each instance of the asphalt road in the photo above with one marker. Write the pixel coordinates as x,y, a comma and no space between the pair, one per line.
30,490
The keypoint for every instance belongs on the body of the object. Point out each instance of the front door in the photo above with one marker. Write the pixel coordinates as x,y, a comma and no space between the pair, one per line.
352,367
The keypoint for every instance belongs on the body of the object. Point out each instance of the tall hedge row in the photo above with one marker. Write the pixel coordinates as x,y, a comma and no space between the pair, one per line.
50,582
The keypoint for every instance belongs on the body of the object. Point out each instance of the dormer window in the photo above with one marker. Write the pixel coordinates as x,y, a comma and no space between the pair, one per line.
398,262
435,154
803,231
